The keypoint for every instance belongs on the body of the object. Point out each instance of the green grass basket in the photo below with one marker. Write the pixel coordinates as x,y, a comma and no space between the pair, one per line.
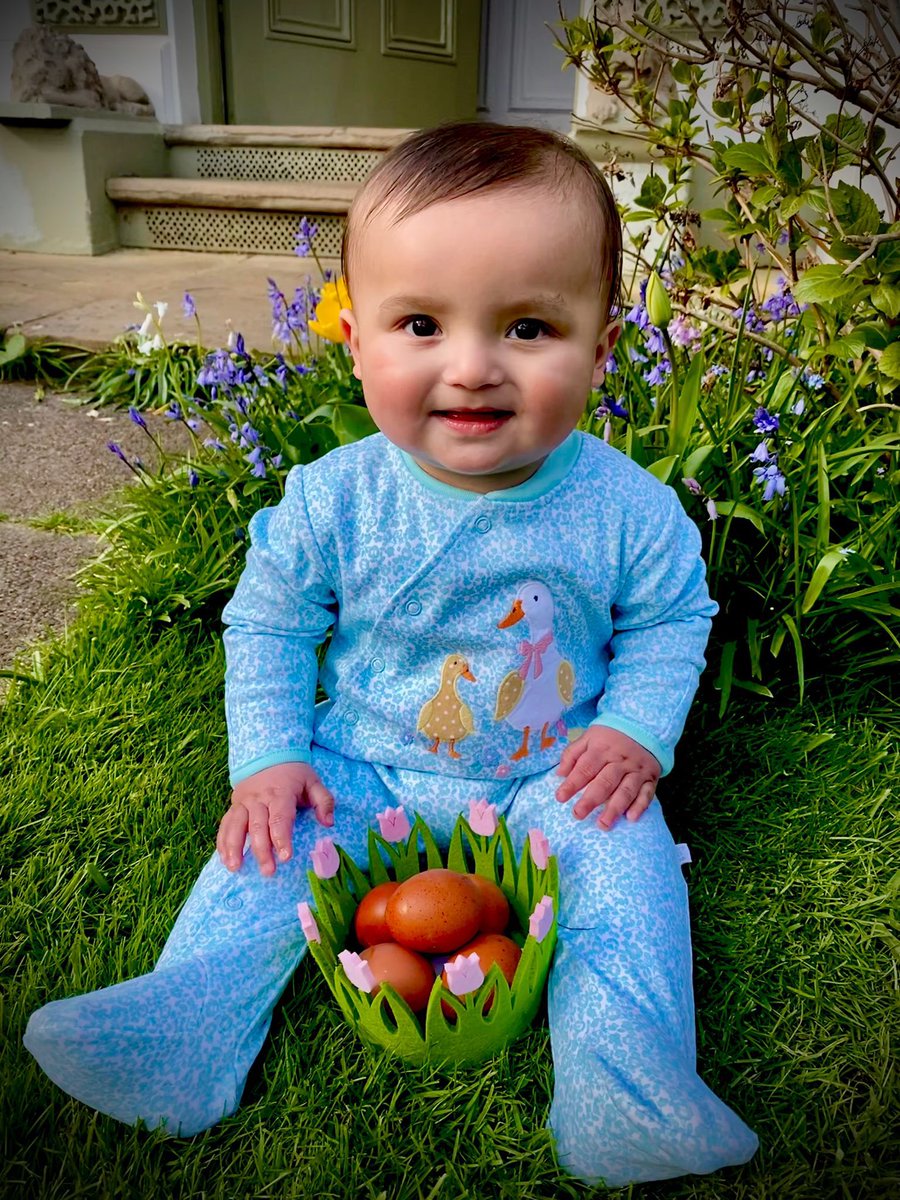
383,1018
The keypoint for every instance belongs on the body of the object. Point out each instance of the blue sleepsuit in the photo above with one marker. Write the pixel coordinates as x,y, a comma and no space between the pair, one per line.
471,635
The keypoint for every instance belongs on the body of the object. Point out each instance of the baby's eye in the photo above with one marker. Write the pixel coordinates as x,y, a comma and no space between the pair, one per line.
420,326
528,329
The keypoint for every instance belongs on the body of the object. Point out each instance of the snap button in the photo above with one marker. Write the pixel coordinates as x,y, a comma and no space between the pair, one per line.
234,903
351,716
483,524
377,664
413,607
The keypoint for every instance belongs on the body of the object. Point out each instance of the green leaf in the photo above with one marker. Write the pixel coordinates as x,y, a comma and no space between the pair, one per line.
750,158
823,513
889,363
886,298
825,150
694,462
352,422
798,650
734,508
847,346
663,467
855,210
824,568
790,206
684,412
13,347
652,193
823,284
726,675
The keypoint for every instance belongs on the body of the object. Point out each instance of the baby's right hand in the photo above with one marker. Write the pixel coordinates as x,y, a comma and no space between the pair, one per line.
264,805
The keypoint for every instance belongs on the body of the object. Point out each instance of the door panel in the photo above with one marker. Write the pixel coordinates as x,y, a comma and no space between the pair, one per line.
351,62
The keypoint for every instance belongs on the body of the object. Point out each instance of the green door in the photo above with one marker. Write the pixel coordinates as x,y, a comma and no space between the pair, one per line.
402,63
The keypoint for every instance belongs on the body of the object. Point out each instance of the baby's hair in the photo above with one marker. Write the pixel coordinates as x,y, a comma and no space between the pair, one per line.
463,157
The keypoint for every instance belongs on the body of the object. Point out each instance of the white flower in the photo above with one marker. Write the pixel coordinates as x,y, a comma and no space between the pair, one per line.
162,308
147,327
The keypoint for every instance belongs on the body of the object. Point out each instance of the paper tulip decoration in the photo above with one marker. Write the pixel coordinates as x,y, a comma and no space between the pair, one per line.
477,1012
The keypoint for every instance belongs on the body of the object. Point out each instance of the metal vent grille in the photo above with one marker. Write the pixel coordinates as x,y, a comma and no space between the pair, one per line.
221,229
273,162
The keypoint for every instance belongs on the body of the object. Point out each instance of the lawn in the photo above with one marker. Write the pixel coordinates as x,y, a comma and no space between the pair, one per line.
114,776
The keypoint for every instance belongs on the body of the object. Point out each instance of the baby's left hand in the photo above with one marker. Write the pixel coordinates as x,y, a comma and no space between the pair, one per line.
615,771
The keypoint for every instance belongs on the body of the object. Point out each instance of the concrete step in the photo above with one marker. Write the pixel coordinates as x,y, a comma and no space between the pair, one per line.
237,216
245,188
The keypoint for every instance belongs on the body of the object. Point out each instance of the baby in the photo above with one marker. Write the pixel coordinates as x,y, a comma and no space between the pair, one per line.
518,613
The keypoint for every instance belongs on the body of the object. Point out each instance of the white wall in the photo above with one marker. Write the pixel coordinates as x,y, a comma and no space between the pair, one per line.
163,64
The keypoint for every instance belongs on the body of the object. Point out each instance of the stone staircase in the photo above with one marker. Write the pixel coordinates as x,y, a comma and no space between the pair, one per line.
245,188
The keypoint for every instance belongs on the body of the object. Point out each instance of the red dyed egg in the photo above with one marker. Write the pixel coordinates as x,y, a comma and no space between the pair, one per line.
494,906
434,911
408,973
369,921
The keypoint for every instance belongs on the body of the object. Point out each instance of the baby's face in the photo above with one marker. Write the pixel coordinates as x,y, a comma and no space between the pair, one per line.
477,330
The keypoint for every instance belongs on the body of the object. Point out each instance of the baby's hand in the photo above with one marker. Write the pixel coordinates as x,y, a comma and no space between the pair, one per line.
615,771
264,805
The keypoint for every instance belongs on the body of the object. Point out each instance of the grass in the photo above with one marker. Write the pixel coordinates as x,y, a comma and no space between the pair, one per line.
114,777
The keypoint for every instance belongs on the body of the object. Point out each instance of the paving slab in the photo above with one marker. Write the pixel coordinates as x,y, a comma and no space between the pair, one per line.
54,458
89,299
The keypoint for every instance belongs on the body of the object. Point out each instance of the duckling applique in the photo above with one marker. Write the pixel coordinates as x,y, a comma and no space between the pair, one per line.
537,693
445,717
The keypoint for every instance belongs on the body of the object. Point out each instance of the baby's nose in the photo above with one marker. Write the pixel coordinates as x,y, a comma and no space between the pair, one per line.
472,363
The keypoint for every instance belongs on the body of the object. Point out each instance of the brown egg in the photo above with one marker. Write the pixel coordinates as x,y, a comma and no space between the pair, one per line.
494,906
434,911
407,972
490,948
369,922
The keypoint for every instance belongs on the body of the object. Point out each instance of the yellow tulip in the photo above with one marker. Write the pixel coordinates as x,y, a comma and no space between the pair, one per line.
327,323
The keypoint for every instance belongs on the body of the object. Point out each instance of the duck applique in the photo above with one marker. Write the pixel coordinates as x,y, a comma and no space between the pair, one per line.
537,693
445,717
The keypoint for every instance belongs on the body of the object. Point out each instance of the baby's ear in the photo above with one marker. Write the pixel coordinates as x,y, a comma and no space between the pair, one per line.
351,334
605,345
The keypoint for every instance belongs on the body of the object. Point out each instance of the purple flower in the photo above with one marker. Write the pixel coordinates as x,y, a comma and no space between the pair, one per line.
304,237
798,407
635,355
711,510
173,412
813,381
193,478
754,322
136,417
764,421
771,479
611,367
692,486
683,333
188,307
655,343
213,443
659,372
761,453
118,451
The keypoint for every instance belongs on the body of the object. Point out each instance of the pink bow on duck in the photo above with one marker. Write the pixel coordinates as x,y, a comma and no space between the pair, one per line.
531,652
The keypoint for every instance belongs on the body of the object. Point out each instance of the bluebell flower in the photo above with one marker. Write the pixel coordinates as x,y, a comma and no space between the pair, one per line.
774,483
213,443
188,307
136,417
635,355
764,421
798,408
611,367
118,451
761,453
659,372
193,478
813,381
304,237
192,423
173,412
655,343
753,321
248,432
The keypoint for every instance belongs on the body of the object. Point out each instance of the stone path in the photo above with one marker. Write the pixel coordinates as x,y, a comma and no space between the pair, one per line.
54,458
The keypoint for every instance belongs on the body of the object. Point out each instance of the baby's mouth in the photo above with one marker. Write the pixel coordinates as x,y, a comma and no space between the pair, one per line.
474,420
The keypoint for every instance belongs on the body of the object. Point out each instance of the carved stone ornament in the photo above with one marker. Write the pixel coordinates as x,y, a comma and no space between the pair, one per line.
136,16
51,68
